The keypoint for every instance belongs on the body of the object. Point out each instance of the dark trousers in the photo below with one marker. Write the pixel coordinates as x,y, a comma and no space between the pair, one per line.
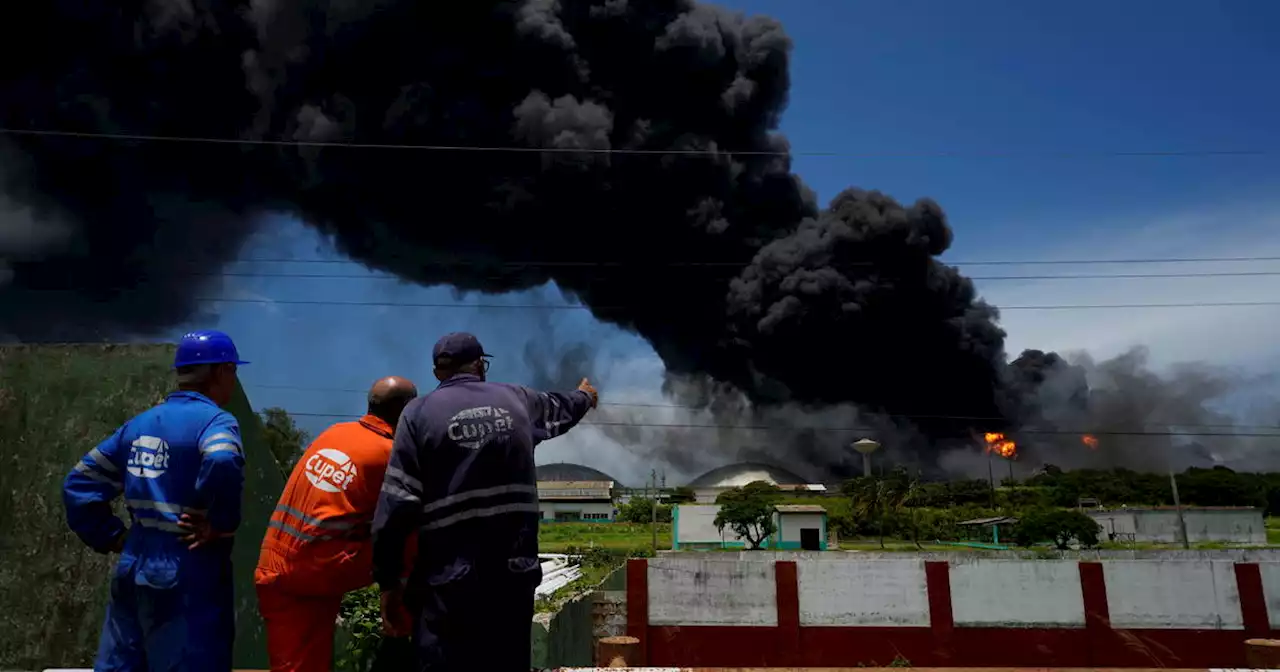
473,617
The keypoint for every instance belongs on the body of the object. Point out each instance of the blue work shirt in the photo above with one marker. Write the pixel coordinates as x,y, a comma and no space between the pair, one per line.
184,455
462,474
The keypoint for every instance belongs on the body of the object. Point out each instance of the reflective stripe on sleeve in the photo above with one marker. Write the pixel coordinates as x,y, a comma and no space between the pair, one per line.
480,492
93,474
551,417
396,492
402,480
161,507
100,461
220,442
344,522
518,507
160,524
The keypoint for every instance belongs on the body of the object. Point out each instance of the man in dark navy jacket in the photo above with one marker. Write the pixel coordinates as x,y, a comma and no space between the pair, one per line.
462,475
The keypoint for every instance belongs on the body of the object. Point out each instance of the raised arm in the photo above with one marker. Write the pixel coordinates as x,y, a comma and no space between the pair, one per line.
87,492
399,505
555,413
220,482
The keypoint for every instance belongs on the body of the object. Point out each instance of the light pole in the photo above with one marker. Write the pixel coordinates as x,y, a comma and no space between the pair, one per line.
866,447
1182,522
653,512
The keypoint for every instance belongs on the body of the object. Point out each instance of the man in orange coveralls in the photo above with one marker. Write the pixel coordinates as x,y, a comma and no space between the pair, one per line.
317,545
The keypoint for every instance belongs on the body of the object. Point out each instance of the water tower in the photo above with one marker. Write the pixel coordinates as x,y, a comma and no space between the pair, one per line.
866,447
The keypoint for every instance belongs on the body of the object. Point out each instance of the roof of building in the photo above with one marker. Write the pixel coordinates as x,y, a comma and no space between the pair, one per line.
575,490
799,508
736,475
567,471
573,485
997,520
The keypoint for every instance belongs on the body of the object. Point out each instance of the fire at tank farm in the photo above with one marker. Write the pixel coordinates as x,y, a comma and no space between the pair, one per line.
815,436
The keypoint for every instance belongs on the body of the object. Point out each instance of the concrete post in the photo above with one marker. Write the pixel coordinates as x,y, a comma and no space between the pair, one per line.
1262,654
617,651
1182,521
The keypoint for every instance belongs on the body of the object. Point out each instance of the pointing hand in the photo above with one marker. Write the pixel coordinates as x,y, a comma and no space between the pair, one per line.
586,386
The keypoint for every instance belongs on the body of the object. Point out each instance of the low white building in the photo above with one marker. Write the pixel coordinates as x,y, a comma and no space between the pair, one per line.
576,501
796,527
1238,525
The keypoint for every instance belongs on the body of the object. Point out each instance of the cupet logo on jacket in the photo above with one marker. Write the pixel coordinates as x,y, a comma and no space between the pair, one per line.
148,457
330,470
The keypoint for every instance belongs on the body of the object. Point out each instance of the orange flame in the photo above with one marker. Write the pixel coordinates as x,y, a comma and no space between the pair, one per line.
997,443
1090,441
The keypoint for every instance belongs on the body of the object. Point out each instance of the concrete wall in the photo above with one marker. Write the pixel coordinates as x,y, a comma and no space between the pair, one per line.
1241,526
836,609
567,637
602,511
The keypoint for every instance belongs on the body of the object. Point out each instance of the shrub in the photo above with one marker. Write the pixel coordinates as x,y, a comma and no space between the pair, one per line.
1058,526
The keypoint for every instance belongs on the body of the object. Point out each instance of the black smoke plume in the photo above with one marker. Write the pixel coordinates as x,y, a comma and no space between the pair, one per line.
699,238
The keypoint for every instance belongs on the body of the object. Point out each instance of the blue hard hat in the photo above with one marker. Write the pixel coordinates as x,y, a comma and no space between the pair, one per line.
206,347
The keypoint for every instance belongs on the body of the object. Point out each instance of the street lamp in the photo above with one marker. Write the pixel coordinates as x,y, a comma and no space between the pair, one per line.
866,447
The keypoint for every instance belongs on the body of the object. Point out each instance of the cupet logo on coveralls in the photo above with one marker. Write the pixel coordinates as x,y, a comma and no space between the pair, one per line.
472,427
330,470
148,457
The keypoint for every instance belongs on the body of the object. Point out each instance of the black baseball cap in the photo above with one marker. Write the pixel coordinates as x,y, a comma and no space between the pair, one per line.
459,347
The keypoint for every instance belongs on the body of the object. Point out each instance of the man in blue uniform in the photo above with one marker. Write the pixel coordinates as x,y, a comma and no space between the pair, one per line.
171,595
462,475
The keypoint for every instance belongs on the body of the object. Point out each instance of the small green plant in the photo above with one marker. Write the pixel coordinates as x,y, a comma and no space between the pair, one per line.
361,618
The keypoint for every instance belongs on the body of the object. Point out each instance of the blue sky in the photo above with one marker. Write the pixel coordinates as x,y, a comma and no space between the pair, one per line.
879,81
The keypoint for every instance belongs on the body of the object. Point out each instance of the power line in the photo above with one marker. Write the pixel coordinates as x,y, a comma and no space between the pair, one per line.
692,408
353,391
518,306
986,278
658,263
854,430
134,137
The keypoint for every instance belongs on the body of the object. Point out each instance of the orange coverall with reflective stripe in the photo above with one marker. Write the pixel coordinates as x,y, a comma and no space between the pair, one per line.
317,545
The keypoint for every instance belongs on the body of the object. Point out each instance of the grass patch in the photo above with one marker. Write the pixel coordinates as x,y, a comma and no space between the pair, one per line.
558,537
57,402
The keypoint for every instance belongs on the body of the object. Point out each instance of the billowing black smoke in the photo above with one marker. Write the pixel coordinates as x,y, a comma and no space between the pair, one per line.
699,237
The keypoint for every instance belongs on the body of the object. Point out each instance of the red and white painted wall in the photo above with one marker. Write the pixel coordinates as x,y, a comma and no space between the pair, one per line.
841,610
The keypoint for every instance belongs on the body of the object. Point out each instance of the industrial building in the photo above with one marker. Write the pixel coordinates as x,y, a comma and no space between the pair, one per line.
1237,525
576,501
709,485
796,527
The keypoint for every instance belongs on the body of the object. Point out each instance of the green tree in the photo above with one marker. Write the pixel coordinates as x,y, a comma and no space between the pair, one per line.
640,510
1059,526
883,499
284,439
748,511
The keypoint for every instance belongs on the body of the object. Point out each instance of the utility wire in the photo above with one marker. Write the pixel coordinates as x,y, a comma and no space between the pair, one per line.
691,408
986,278
851,430
658,263
133,137
519,306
